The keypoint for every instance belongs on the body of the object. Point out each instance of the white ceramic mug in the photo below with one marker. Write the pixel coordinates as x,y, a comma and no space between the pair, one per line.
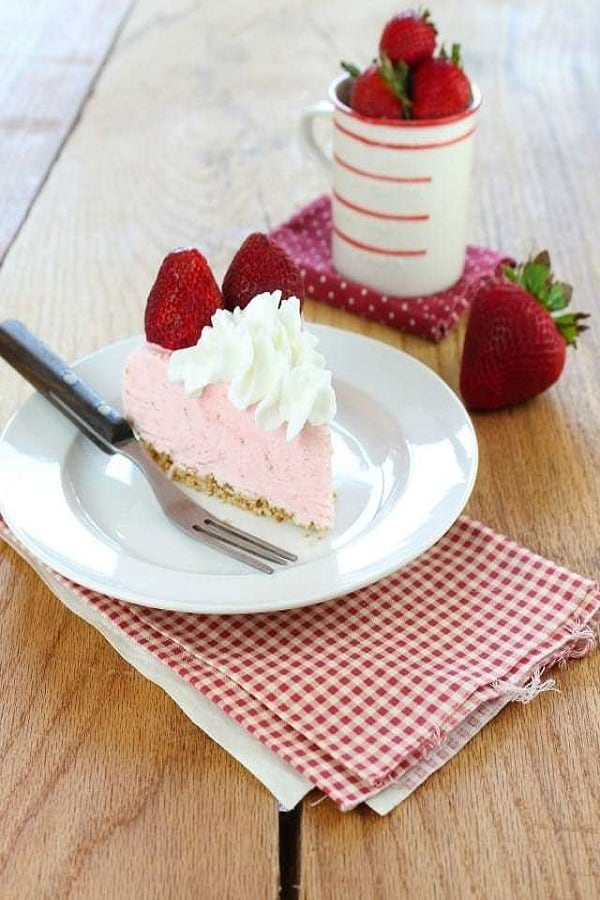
400,194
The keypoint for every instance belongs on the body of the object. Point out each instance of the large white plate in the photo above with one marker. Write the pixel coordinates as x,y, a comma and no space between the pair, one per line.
405,459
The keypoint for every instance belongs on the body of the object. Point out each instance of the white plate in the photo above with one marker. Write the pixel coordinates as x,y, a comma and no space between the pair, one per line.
405,459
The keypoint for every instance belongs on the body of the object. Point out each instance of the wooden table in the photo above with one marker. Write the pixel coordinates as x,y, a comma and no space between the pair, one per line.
129,129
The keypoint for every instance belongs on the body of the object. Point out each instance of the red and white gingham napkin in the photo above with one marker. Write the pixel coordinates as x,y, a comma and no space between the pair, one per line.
307,238
357,693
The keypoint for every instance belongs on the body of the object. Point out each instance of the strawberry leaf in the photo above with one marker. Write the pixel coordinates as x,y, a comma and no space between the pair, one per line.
396,77
455,56
570,328
510,273
535,276
559,296
425,14
543,258
350,68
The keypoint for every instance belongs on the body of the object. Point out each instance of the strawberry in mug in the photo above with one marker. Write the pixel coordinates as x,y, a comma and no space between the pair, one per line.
403,134
408,81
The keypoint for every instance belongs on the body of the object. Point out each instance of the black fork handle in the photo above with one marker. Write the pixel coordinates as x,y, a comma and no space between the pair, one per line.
63,387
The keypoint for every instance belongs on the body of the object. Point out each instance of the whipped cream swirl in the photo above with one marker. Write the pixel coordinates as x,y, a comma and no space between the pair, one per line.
267,359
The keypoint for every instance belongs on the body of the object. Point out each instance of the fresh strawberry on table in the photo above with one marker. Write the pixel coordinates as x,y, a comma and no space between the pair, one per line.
409,37
182,300
517,335
261,265
439,87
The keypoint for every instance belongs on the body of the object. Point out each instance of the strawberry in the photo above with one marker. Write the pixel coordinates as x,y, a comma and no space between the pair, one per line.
260,265
439,87
380,92
181,301
409,37
371,96
515,343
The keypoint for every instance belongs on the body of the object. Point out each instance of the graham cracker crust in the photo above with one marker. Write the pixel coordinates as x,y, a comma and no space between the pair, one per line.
209,485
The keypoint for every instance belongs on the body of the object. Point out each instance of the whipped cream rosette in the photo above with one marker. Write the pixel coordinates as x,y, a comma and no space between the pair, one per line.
268,360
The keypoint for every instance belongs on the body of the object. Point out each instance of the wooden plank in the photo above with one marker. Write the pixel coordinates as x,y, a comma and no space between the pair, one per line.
49,56
516,813
106,788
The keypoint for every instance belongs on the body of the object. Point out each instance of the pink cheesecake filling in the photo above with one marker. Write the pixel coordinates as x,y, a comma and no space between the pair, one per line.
207,435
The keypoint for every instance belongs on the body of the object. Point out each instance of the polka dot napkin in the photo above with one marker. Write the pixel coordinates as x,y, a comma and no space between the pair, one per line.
307,238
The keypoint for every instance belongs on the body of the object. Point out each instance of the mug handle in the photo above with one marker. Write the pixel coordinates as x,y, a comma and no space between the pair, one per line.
321,110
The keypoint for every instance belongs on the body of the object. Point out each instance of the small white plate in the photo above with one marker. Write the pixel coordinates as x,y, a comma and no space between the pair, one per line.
405,459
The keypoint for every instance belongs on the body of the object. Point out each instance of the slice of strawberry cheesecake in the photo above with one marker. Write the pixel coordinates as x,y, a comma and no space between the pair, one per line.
243,413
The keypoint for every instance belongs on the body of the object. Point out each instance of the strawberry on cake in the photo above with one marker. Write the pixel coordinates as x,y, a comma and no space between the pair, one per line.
235,402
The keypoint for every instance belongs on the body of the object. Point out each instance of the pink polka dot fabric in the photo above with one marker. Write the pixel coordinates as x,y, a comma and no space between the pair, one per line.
307,238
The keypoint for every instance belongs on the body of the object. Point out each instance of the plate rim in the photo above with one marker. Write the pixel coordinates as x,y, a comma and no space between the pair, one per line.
345,581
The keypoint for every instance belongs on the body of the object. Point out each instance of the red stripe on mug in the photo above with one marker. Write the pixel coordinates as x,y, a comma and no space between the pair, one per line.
371,249
421,217
400,179
394,146
405,123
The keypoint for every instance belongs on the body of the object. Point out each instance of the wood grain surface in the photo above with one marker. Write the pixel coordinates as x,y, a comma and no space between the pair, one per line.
190,137
50,54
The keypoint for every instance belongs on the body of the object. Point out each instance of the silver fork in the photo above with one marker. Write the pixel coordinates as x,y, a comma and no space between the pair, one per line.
107,428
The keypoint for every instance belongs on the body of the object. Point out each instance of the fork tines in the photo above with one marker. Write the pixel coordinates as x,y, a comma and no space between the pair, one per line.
246,547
